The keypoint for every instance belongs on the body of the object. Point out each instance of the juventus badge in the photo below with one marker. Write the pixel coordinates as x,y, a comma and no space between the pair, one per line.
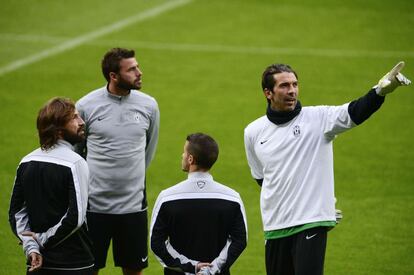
296,131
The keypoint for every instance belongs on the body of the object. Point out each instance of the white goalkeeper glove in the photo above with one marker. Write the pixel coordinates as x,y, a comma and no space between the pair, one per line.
392,80
338,215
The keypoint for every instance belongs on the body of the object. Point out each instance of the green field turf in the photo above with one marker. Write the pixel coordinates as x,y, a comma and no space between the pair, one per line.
202,61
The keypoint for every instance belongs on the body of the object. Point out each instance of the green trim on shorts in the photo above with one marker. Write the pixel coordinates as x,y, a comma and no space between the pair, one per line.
285,232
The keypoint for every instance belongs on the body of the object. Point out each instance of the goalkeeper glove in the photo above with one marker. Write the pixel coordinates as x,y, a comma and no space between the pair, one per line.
389,82
338,215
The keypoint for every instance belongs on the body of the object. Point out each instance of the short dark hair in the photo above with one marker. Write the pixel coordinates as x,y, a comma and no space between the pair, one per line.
203,148
111,60
52,118
268,81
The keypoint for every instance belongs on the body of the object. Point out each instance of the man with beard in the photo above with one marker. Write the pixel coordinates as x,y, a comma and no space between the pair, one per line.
289,151
121,136
48,204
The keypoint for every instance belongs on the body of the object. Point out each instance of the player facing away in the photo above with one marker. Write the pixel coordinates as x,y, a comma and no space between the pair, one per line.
289,151
198,226
50,194
121,125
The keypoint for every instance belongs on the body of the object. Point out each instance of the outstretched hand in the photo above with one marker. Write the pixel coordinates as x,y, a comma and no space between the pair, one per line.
389,82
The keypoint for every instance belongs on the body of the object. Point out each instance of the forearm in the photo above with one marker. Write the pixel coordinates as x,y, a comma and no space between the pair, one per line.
29,245
170,258
362,108
22,227
229,254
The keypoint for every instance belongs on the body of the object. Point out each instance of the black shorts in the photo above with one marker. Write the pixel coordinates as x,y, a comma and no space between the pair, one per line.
300,254
42,271
129,235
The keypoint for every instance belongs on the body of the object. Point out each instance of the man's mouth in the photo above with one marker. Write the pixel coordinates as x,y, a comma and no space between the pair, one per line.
81,131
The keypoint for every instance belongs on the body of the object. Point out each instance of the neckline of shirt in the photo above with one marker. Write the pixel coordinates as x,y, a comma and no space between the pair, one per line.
206,175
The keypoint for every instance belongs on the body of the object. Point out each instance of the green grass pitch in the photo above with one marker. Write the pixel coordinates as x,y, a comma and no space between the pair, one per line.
202,61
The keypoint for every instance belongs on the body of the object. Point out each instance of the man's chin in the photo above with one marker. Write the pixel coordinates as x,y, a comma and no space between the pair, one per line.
291,106
75,139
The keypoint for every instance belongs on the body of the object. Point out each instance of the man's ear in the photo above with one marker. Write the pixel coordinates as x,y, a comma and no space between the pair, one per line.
191,159
268,93
113,76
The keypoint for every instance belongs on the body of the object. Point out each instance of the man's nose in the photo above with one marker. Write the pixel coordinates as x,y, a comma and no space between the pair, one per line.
139,72
292,89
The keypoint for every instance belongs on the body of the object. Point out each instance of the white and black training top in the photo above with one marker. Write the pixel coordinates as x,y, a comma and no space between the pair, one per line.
295,161
198,220
49,198
121,138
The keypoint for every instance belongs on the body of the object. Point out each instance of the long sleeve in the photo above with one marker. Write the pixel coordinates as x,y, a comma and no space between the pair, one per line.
167,256
256,167
235,245
22,224
16,202
19,219
362,108
152,136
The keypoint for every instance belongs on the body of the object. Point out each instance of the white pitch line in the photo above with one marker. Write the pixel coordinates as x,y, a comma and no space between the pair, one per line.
77,41
263,50
232,49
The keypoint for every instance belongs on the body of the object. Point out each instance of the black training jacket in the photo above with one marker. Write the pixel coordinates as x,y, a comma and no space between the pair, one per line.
49,198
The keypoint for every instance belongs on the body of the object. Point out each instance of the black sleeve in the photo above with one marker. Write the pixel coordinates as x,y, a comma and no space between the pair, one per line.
16,201
362,108
259,182
238,239
159,235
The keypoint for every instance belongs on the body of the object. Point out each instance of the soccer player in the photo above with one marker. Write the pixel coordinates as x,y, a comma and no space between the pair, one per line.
198,226
50,194
121,137
289,151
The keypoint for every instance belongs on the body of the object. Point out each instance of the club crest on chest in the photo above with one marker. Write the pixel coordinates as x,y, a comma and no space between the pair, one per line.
296,131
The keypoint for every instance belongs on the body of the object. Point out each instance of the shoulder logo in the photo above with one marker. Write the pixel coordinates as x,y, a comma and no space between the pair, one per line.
264,141
201,184
296,131
144,259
